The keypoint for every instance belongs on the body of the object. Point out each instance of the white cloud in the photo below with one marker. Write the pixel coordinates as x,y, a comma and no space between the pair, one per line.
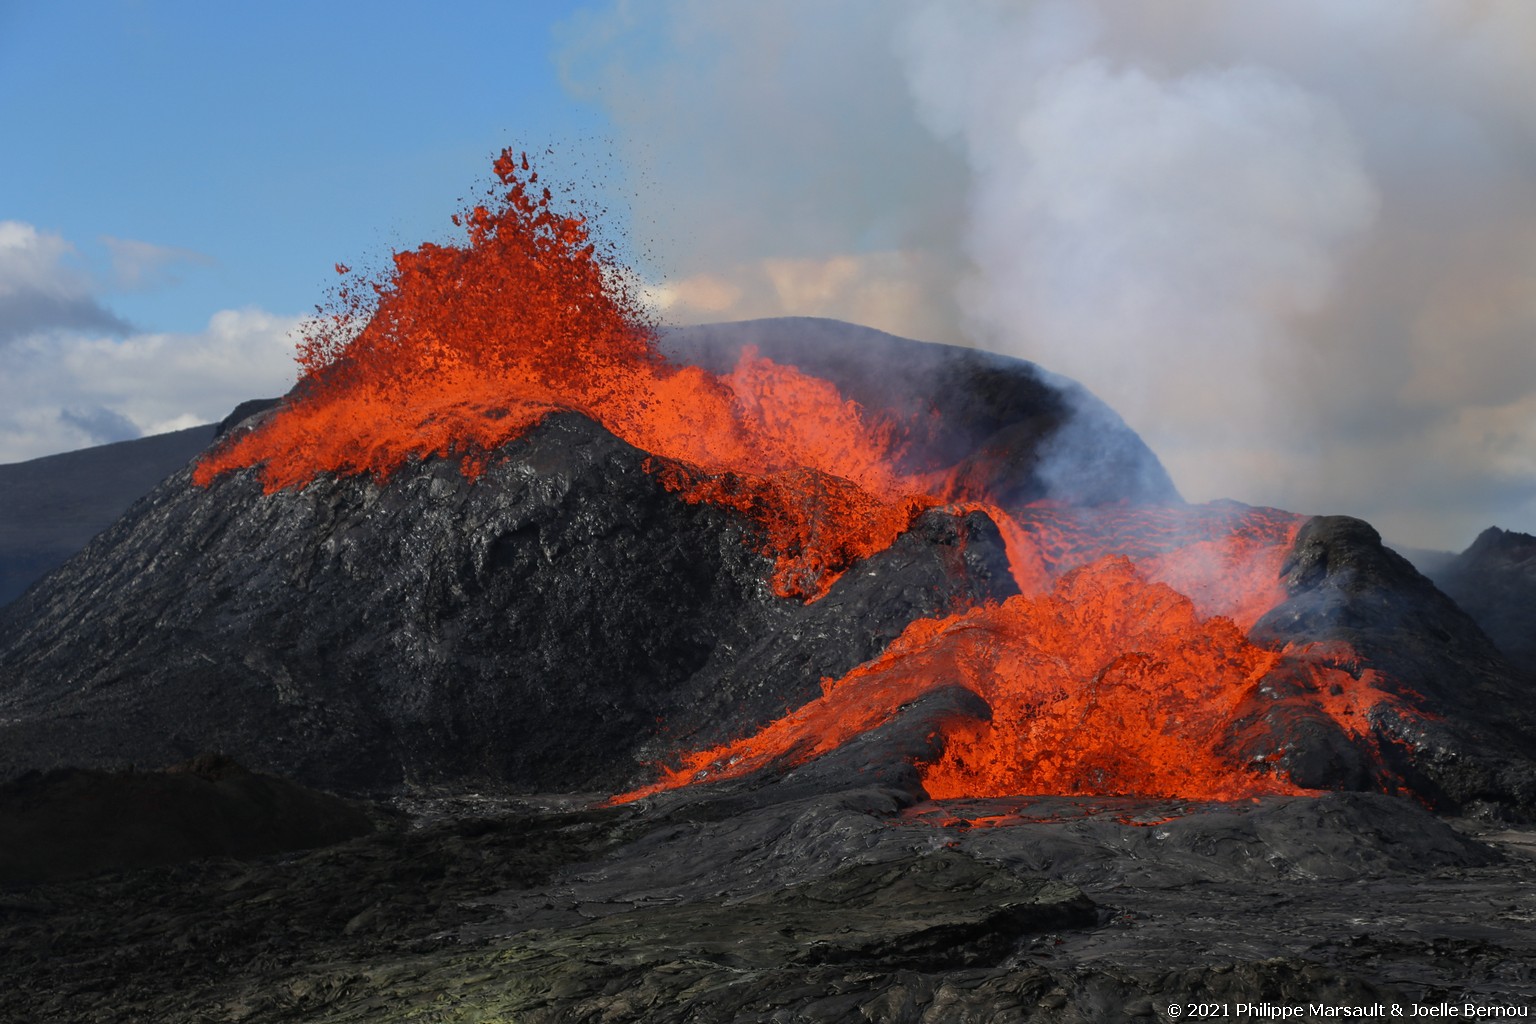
898,291
72,373
65,390
41,288
765,131
140,265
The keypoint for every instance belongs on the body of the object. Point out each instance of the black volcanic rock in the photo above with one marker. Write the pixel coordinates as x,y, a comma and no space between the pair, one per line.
1494,581
244,411
1478,743
926,912
839,907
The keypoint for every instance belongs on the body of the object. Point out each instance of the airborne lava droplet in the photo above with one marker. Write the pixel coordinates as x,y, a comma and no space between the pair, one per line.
1123,667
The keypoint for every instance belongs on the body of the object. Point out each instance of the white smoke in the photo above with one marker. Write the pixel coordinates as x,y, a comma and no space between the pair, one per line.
1277,237
1291,242
784,171
1154,235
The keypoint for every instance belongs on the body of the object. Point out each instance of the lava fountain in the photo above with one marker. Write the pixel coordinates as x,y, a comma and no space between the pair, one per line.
1122,667
463,348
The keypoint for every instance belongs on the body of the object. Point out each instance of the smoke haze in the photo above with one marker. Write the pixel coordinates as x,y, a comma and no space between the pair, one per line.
1291,244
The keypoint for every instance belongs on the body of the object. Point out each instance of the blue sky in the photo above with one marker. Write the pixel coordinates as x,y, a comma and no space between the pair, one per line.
264,141
1292,244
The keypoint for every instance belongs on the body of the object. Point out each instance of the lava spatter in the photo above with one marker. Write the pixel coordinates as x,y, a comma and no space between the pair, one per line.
1106,676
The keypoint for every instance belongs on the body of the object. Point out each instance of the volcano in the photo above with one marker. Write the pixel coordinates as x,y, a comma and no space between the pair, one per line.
739,623
574,578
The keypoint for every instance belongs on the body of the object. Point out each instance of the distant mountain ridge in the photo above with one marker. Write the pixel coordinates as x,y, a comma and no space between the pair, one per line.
52,506
1494,581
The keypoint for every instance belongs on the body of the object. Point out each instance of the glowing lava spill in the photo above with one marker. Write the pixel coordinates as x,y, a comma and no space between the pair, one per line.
1122,668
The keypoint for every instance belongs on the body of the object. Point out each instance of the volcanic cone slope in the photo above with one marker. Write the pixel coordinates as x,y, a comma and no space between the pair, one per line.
1476,741
54,505
1495,581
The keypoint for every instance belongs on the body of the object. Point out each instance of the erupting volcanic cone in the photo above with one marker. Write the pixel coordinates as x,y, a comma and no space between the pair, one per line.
498,532
1107,683
470,346
467,347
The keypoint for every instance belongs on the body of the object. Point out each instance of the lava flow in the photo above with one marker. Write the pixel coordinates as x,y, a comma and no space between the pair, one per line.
1122,668
1110,683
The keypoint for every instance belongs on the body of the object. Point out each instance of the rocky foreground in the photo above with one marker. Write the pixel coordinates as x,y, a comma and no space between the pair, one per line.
778,904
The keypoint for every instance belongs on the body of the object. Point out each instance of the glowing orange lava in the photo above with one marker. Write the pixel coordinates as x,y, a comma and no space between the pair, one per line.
1109,684
469,346
1122,668
1106,676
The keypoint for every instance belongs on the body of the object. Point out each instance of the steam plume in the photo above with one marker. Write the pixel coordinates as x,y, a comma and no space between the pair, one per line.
1214,214
1290,242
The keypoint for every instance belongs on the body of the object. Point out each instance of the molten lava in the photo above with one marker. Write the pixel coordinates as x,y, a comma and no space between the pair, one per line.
1109,684
469,346
1106,676
1122,668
